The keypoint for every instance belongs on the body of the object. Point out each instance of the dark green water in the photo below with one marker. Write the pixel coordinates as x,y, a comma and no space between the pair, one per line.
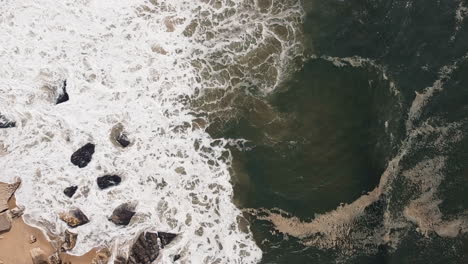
329,147
326,136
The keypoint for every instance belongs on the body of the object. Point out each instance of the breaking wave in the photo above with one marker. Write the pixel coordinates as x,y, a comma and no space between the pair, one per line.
137,64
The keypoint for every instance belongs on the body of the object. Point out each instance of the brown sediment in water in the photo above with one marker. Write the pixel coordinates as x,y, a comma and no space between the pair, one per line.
15,244
336,228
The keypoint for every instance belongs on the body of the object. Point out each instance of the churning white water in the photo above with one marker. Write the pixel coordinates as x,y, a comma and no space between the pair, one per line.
136,63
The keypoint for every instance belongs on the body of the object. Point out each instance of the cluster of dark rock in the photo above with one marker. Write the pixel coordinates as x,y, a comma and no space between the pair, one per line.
146,248
75,217
81,158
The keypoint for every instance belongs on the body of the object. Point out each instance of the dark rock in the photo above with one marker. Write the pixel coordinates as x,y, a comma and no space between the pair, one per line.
166,238
123,140
108,181
123,214
6,123
83,156
74,218
70,191
63,96
145,250
69,241
118,136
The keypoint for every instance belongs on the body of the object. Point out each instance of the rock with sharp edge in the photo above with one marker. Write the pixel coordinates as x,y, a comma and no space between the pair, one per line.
63,95
108,181
123,214
82,157
74,218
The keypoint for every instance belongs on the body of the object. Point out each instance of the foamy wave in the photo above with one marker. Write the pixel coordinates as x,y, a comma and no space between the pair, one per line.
136,64
251,43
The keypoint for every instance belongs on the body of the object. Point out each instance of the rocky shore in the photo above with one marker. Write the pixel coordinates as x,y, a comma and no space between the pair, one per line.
24,244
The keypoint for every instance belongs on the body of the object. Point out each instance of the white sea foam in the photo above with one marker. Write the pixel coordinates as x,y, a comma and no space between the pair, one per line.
460,14
135,63
360,62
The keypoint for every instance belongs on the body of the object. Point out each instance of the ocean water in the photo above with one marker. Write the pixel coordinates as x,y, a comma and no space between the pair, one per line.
360,156
263,131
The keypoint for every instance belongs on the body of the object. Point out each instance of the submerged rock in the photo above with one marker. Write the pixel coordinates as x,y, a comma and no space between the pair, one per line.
55,258
123,214
69,241
108,181
63,95
83,155
5,222
166,238
74,218
38,256
70,191
102,256
6,123
17,211
119,137
6,191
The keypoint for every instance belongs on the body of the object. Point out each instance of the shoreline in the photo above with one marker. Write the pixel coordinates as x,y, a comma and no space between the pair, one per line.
21,243
21,239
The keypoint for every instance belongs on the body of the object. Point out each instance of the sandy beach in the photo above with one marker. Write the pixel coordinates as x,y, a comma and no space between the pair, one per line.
17,243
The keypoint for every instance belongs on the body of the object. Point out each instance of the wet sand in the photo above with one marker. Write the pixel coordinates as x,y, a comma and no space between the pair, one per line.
15,245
